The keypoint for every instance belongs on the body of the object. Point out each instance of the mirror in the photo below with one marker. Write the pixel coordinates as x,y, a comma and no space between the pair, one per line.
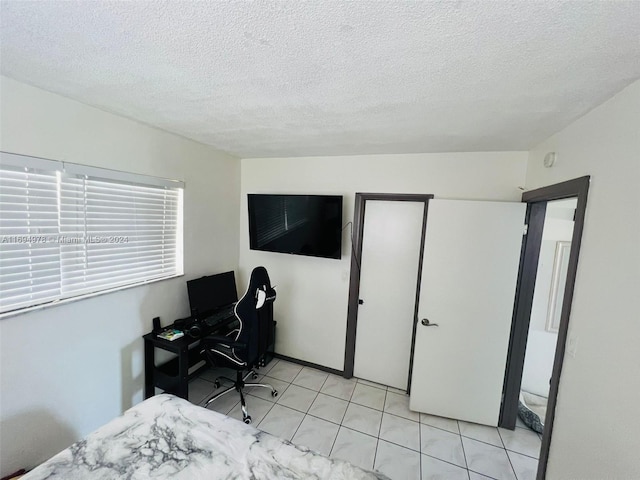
558,278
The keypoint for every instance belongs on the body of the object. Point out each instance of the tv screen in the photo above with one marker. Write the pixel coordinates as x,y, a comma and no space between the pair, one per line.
298,224
208,294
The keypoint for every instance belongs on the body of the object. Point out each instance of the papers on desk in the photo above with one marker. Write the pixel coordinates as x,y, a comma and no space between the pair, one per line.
171,334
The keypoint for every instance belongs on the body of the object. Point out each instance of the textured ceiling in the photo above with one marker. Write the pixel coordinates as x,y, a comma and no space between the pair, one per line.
290,78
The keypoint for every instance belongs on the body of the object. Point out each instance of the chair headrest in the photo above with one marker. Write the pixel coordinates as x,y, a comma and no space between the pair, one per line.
264,294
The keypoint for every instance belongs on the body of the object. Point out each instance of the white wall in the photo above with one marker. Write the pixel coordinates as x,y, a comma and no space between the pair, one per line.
595,433
541,344
66,370
311,308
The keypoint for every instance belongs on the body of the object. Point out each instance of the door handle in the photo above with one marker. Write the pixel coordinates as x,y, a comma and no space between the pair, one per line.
427,323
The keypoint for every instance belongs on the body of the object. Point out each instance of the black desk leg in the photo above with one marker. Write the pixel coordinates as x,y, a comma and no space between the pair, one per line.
183,373
149,367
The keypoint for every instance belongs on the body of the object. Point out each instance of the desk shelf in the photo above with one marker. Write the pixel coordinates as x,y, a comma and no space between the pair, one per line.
167,375
173,376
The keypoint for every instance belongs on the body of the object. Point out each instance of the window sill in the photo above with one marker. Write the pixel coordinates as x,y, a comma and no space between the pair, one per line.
64,301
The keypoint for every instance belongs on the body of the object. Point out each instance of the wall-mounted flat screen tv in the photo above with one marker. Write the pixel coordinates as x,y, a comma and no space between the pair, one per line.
297,224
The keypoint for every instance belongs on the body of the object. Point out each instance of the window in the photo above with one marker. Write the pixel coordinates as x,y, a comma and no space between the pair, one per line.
68,230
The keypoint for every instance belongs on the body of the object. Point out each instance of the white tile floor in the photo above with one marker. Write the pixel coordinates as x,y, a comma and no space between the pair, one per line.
371,426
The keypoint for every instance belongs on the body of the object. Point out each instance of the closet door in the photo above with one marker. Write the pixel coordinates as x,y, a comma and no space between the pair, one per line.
389,271
469,275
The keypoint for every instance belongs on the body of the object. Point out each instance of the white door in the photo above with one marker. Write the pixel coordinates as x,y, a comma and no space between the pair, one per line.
469,274
388,280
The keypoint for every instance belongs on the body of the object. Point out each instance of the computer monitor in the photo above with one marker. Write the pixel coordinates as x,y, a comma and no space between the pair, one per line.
212,293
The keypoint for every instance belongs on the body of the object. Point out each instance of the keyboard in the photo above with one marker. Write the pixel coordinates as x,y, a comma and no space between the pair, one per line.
215,318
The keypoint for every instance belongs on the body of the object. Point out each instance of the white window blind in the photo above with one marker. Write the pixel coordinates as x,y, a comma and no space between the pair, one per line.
100,230
29,266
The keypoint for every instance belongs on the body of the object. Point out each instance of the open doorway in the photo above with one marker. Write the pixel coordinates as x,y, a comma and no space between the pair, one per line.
545,312
543,304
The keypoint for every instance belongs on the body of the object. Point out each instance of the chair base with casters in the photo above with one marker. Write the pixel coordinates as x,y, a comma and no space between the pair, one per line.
238,385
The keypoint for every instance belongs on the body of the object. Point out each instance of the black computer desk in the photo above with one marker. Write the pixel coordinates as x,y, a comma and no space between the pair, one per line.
173,376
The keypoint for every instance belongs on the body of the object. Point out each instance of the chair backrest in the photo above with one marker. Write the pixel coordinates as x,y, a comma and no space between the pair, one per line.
255,324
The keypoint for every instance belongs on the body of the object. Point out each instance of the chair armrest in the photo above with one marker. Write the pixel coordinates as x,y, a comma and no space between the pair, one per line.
218,339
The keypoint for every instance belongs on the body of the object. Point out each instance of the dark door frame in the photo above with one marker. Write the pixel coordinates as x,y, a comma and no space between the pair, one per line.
354,281
536,207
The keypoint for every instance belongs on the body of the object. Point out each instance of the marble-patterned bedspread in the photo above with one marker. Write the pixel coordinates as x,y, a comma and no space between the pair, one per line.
168,437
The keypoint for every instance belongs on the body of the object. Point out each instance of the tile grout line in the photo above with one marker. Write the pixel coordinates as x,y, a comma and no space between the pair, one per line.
309,407
464,452
340,424
352,392
333,444
448,462
380,429
378,386
362,433
274,403
346,409
392,443
444,429
507,454
344,414
476,439
420,444
484,475
267,413
491,444
401,417
523,454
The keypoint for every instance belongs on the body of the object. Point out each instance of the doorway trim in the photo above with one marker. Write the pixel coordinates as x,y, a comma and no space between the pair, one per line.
536,206
354,280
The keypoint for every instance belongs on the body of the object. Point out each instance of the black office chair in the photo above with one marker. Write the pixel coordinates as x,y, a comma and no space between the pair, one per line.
244,348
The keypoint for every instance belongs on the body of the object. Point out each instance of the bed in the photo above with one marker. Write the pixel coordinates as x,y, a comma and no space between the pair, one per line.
532,410
168,437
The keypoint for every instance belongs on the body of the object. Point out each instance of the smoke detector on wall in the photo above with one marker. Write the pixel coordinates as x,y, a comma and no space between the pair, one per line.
550,159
